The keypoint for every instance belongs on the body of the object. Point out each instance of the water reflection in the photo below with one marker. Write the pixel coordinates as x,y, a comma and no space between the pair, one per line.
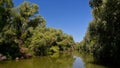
55,61
61,61
78,63
88,60
71,60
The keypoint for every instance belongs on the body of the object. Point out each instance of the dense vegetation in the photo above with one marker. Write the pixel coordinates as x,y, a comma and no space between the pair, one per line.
103,35
23,32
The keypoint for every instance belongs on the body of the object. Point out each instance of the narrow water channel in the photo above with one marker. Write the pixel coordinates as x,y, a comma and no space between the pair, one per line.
75,60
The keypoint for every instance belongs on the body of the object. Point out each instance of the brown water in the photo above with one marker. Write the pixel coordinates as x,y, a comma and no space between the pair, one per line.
72,60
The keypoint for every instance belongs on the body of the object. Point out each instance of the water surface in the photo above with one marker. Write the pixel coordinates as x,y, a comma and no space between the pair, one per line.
72,60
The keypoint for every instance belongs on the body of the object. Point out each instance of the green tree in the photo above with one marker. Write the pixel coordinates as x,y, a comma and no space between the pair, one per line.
16,24
103,31
26,16
46,41
23,32
5,9
7,33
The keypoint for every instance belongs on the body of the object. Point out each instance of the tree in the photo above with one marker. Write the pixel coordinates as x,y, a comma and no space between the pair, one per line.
104,30
23,32
46,41
5,9
7,33
15,26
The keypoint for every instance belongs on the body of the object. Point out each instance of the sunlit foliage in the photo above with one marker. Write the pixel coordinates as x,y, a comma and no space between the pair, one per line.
23,32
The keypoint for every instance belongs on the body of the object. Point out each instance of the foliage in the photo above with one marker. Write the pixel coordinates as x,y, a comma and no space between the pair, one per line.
49,40
102,37
23,32
7,33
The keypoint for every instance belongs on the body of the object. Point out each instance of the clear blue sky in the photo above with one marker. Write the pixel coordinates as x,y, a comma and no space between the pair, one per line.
72,16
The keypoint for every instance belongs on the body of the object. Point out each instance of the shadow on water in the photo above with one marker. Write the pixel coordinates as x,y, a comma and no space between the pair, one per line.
67,60
89,62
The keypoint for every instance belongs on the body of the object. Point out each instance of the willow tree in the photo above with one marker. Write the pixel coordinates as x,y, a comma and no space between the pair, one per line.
15,24
104,30
26,16
45,41
22,29
7,33
5,8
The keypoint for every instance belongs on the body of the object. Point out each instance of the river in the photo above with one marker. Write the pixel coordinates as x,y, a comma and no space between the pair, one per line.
71,60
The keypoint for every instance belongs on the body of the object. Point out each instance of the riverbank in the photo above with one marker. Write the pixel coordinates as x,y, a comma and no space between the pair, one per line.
2,57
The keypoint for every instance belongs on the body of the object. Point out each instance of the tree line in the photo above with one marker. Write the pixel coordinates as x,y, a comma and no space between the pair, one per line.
23,32
102,37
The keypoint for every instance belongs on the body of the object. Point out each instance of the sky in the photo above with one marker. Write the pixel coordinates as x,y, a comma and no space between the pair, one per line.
71,16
